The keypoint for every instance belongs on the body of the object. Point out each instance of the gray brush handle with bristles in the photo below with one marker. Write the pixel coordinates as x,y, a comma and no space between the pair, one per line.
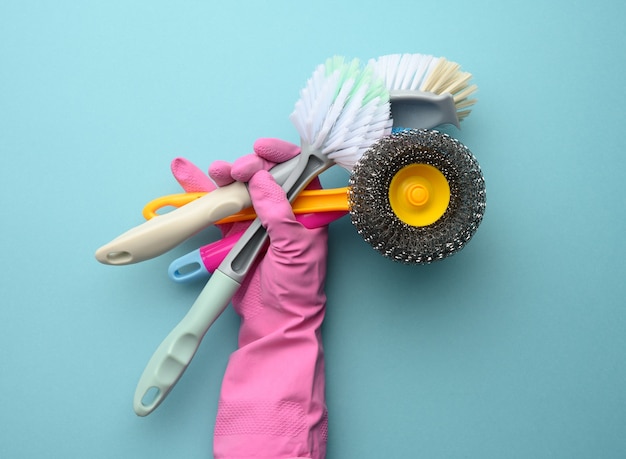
341,113
241,257
422,110
171,359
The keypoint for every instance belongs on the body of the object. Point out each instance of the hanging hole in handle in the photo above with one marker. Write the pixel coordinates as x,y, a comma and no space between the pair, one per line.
151,211
164,210
151,396
187,271
118,258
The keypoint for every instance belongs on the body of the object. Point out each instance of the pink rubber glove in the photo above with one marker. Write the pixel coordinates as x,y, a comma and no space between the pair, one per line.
272,403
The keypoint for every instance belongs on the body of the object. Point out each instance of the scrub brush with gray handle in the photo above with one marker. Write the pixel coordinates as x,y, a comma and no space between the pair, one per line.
425,91
342,111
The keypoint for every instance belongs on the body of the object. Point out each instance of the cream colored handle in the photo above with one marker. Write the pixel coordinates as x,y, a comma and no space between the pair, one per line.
163,233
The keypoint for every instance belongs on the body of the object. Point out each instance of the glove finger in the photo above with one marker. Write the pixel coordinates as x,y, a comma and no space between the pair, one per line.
273,209
220,172
275,150
190,177
245,167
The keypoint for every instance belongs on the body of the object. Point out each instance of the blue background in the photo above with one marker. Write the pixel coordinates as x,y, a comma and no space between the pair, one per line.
513,348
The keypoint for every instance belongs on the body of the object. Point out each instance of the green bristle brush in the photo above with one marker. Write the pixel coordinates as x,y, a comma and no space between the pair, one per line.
341,112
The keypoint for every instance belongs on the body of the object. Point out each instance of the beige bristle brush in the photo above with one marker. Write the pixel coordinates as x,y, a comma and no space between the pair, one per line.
425,91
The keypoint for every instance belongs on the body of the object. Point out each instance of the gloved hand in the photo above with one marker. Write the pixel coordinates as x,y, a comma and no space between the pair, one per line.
272,402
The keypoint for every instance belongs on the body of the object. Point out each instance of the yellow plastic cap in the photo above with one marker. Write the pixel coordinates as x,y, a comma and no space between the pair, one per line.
419,194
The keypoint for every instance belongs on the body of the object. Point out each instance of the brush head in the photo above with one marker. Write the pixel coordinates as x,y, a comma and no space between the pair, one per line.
393,233
433,89
342,111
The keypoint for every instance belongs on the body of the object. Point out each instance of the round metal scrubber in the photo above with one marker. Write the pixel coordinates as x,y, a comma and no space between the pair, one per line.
417,196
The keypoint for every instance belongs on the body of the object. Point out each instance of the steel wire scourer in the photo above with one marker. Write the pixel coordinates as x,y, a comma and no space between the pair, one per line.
417,196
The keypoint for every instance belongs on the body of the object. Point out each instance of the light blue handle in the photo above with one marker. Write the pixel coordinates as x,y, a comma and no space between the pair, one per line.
188,268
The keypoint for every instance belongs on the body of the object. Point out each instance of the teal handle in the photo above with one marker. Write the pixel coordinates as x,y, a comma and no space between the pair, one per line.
172,357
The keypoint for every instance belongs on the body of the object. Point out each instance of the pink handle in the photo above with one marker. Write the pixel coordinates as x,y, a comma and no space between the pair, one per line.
213,254
199,263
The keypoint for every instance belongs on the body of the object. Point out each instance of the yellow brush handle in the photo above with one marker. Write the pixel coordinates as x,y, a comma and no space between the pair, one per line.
308,201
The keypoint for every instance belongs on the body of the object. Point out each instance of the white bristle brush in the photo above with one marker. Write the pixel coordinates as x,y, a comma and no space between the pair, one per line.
425,91
342,111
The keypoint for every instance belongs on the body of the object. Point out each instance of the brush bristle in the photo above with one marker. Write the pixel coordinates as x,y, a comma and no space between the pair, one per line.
423,72
342,111
371,210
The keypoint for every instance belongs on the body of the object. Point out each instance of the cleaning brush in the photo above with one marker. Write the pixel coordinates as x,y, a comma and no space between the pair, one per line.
352,98
417,196
342,111
425,91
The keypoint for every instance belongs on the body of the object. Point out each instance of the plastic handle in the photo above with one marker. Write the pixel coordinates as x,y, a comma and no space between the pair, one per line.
422,110
151,209
172,357
188,268
199,263
163,233
308,201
